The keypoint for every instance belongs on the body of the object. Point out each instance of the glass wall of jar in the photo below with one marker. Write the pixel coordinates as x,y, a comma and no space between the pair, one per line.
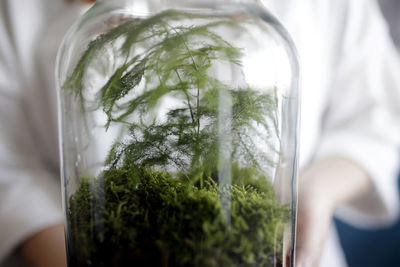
178,127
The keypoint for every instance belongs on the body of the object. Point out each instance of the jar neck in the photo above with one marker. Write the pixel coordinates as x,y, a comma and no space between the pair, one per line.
173,2
145,7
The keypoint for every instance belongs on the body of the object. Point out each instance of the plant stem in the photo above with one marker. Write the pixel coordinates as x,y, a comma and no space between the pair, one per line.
197,149
187,98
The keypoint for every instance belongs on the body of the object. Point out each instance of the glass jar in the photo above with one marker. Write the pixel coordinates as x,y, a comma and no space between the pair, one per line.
178,132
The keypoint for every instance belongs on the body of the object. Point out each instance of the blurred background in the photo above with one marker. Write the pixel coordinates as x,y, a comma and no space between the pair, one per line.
380,248
373,248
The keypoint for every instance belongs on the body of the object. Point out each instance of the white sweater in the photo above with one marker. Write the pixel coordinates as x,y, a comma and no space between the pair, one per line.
350,104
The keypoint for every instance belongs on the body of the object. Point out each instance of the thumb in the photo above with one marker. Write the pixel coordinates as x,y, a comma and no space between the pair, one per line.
313,223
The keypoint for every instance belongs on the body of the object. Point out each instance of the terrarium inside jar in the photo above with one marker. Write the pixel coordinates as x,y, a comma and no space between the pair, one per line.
179,135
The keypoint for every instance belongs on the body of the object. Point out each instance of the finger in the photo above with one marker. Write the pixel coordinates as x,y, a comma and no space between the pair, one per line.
312,228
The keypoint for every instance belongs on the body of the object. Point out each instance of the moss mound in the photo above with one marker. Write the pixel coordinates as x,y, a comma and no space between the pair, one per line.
142,217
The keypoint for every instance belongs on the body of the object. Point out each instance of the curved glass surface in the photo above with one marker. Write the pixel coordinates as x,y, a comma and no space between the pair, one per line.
178,125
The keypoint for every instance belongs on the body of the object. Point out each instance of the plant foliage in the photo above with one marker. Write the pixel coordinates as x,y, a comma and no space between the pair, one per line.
148,218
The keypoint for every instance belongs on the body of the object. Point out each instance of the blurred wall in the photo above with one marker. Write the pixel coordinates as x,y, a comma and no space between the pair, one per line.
391,10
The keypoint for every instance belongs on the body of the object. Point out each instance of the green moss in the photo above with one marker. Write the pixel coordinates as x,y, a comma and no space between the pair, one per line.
141,217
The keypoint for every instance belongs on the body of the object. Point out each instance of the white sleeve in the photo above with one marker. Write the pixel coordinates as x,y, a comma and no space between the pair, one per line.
362,121
29,191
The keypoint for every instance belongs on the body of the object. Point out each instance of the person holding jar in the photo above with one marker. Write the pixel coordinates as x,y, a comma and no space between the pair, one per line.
349,124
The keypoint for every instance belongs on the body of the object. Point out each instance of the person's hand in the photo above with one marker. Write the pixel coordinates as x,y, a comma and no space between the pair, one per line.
324,186
46,248
313,222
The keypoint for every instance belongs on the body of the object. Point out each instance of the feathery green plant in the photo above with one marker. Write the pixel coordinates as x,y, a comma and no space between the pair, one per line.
133,214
